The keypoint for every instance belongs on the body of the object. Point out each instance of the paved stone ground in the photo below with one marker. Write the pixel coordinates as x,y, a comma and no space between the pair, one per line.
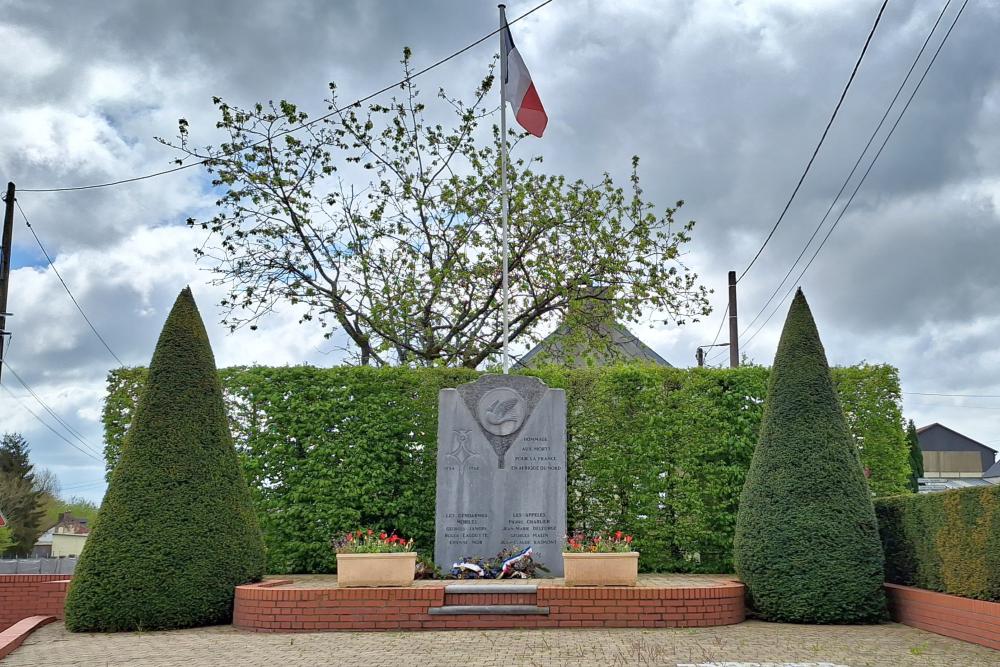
750,643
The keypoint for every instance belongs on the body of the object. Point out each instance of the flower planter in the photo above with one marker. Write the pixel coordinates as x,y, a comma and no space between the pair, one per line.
601,569
387,569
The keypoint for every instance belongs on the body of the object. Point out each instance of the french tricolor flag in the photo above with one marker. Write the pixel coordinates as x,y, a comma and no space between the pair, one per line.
519,90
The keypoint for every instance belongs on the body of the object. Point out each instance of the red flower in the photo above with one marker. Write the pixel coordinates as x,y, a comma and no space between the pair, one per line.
382,536
628,539
618,534
370,531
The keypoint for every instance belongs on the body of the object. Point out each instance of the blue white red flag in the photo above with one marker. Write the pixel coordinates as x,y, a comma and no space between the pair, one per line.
519,90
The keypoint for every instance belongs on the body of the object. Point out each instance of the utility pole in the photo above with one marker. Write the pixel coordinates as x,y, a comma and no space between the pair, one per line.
8,233
700,356
734,343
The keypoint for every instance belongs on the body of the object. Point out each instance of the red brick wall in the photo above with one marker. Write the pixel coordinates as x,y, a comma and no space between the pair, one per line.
644,607
24,595
265,609
975,621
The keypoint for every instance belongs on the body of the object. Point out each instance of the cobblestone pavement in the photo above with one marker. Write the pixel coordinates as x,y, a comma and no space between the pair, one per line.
749,643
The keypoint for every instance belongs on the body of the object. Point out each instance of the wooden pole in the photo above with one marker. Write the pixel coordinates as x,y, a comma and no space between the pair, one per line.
8,233
734,342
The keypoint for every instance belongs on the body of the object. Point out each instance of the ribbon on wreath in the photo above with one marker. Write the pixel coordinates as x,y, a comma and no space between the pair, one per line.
508,565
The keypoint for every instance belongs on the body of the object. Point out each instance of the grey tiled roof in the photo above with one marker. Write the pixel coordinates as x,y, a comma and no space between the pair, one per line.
623,341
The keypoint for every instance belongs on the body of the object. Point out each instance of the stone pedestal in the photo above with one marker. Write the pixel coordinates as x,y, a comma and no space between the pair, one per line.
501,470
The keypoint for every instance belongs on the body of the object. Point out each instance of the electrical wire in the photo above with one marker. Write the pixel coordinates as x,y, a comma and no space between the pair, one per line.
72,431
865,175
79,487
854,169
928,393
66,287
725,312
299,127
48,426
951,405
822,138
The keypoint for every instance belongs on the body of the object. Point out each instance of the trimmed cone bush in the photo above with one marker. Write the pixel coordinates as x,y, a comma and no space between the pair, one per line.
916,457
176,532
807,544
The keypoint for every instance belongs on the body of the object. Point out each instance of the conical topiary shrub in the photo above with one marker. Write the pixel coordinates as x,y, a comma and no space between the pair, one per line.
916,457
807,544
177,531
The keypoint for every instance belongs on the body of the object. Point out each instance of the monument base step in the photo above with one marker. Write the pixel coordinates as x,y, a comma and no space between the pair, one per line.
314,603
486,609
491,589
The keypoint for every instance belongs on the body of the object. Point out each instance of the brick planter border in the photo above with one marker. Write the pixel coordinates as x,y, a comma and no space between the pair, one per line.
12,637
265,608
25,595
975,621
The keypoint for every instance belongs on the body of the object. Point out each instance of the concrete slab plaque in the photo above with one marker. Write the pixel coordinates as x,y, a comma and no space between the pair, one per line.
501,470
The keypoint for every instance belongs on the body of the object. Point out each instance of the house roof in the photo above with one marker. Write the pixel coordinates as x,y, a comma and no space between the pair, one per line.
994,470
622,341
70,525
987,448
929,484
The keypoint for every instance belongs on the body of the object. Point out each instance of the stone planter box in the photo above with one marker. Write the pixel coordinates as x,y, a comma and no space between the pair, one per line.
601,569
391,569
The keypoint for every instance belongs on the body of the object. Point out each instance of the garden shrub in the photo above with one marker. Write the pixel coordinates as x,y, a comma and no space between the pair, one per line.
947,541
916,457
177,531
658,452
806,542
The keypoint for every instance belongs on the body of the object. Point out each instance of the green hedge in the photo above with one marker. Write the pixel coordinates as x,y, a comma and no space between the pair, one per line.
660,452
947,541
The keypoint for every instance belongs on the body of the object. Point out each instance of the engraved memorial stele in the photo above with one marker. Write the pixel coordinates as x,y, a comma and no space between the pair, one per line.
501,470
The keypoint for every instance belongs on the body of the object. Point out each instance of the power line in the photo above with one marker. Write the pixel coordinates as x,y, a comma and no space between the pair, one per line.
847,180
867,171
826,130
48,426
719,331
951,405
72,431
66,287
928,393
303,125
79,487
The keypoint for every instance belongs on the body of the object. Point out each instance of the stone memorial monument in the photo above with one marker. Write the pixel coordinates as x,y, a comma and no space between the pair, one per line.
501,470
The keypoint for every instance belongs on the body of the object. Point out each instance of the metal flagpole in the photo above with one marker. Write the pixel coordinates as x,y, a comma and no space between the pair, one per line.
503,188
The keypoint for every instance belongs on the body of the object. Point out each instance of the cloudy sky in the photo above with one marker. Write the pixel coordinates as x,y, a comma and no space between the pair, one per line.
723,100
